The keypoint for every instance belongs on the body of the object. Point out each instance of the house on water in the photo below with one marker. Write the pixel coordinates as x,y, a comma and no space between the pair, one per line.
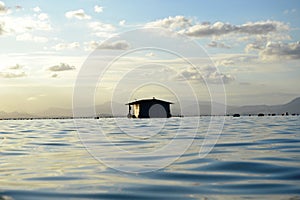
149,108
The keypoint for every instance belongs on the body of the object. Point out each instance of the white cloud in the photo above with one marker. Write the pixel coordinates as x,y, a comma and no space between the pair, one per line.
29,37
78,14
12,74
18,8
31,99
208,74
291,11
253,47
216,77
63,46
98,9
92,45
150,54
117,45
2,28
171,22
15,71
206,29
15,67
225,62
99,26
234,59
279,51
61,67
262,27
54,75
104,34
3,9
43,16
215,44
220,28
12,25
122,22
102,30
36,9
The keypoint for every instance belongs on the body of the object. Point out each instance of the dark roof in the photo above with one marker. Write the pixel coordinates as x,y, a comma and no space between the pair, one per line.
148,100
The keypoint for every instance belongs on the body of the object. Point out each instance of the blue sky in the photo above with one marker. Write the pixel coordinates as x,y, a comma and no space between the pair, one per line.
254,44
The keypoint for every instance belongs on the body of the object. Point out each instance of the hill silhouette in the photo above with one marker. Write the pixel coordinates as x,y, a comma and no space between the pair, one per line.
187,109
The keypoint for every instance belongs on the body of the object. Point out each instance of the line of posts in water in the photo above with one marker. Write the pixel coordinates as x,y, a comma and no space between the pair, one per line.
98,117
269,114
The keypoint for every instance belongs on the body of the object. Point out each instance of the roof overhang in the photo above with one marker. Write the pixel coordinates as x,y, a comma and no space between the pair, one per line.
148,100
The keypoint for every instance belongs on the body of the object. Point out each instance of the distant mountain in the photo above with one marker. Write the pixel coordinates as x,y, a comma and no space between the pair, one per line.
112,108
291,107
186,109
106,109
5,115
56,112
205,108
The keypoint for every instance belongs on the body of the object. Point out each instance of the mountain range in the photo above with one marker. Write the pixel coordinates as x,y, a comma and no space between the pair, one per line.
188,109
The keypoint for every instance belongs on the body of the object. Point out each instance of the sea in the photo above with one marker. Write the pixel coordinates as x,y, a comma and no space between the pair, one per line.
246,157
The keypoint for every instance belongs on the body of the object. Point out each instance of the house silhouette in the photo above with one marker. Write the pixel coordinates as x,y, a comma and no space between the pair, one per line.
149,108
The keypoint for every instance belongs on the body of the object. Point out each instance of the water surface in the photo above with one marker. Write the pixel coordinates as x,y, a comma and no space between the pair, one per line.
255,157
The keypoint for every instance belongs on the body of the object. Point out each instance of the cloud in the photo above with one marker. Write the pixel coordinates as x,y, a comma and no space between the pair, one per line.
29,37
92,45
150,54
99,26
61,67
216,77
117,45
43,16
100,29
16,25
18,7
36,9
220,28
193,28
15,67
63,46
253,47
15,71
3,9
31,99
122,22
234,59
2,28
98,9
207,29
12,74
291,11
208,74
54,75
279,51
262,27
78,14
171,22
215,44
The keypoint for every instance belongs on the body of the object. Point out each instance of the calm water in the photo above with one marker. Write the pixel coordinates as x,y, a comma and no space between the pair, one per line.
255,157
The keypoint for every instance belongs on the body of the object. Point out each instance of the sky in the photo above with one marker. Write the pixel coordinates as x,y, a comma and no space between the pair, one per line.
252,46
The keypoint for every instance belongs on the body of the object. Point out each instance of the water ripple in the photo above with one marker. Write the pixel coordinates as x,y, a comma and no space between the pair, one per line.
254,158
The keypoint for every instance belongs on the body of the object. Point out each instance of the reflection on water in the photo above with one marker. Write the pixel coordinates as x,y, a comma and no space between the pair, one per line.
254,158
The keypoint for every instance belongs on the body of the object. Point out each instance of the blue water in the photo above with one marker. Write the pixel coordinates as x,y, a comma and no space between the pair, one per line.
254,158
